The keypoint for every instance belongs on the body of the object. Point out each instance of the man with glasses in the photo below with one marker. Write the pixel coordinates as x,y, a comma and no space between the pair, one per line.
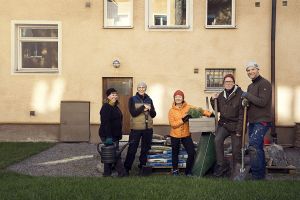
142,113
230,124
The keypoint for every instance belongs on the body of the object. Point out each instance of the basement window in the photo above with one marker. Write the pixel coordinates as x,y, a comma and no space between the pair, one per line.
36,47
118,13
220,13
214,78
169,14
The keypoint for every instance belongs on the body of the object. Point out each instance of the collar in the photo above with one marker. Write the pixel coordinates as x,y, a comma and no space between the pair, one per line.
256,79
231,92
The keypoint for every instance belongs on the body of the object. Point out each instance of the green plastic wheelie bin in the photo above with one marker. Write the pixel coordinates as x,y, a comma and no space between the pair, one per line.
206,154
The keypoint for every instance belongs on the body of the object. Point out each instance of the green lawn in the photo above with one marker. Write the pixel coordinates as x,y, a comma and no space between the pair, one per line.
15,186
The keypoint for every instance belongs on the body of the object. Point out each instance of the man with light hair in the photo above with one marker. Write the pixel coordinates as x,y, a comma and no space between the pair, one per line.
259,96
142,112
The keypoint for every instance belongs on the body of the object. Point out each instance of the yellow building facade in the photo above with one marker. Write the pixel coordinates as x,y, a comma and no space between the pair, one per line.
166,58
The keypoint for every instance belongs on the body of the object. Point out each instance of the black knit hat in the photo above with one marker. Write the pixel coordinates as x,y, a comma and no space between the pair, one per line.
110,90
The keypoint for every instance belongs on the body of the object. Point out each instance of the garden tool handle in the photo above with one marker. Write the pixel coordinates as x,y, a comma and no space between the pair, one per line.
216,113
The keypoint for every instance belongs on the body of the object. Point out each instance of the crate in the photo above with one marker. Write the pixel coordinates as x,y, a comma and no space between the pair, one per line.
203,124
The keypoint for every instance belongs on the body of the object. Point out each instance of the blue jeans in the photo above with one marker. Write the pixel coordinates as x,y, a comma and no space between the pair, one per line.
257,131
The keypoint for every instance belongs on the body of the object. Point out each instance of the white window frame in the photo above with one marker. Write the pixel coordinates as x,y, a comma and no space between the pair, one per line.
149,17
233,18
16,59
216,89
105,23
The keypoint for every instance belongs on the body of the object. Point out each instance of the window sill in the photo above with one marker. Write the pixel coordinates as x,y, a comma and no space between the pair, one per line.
48,71
220,26
216,90
118,27
169,27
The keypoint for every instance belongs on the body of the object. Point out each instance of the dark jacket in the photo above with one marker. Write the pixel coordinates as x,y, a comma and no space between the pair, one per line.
111,121
259,94
136,106
231,110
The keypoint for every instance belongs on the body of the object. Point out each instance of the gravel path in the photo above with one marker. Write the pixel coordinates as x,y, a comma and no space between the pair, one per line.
82,159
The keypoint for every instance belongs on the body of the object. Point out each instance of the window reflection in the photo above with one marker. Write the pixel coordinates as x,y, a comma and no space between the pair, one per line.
118,12
219,12
39,55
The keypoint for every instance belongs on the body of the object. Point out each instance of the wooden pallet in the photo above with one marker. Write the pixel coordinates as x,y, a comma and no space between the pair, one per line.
283,170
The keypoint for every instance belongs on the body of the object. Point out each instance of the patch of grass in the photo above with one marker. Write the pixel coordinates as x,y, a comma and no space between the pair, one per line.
16,186
12,152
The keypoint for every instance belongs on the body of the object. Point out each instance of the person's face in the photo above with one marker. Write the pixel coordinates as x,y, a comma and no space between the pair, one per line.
252,72
141,90
113,97
228,83
178,99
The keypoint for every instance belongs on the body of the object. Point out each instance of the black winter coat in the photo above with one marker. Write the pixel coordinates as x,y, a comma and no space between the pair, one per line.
231,110
111,121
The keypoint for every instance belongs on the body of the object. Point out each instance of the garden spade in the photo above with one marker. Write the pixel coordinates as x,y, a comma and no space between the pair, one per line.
243,170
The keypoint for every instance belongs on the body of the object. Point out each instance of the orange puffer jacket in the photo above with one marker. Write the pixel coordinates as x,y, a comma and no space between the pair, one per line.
178,128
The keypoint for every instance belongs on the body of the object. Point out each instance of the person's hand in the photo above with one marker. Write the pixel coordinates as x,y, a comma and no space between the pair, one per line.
244,94
147,107
186,118
238,134
108,141
215,95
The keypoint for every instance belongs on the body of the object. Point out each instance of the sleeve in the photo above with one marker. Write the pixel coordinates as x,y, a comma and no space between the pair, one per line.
264,95
174,121
105,116
152,110
133,111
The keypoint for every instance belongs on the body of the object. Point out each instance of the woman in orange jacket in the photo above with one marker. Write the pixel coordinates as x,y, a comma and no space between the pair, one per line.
178,119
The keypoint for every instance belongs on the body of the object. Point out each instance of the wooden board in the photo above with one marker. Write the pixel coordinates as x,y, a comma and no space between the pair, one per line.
285,170
203,124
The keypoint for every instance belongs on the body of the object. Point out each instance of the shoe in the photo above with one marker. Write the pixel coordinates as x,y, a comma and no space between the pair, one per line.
220,170
175,172
126,173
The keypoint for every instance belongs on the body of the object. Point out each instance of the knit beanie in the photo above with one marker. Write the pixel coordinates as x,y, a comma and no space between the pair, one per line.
178,92
142,84
110,90
230,76
252,64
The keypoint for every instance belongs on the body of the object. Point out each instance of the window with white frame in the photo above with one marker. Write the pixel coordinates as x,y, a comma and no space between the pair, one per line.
118,13
36,47
220,13
214,78
169,13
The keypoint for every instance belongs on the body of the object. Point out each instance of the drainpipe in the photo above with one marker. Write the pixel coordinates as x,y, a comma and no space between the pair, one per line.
273,32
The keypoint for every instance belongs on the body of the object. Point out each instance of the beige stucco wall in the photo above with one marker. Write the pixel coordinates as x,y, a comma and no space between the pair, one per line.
163,59
287,63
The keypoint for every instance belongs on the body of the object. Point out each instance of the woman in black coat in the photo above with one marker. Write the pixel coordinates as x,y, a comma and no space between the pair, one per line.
110,130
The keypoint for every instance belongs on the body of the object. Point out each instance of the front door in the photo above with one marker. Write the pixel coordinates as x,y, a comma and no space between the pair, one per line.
124,88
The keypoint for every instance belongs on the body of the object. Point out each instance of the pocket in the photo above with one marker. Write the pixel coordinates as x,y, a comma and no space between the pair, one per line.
230,126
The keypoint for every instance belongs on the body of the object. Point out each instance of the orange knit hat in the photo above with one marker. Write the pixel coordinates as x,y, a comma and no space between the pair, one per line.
178,92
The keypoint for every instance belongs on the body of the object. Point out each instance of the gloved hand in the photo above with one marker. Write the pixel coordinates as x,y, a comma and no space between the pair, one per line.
186,118
245,103
108,141
244,94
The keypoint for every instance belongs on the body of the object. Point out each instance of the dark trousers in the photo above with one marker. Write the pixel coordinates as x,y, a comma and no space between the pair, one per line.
189,147
257,132
236,143
134,138
118,165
